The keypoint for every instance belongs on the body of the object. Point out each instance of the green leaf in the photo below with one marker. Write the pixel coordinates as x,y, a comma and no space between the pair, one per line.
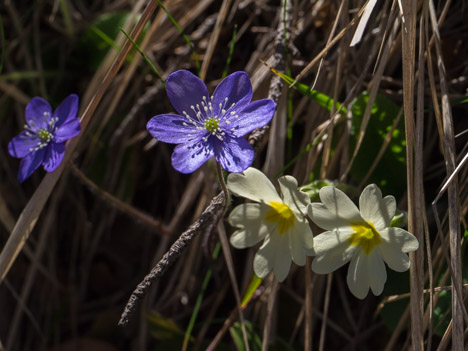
253,286
400,219
390,173
313,188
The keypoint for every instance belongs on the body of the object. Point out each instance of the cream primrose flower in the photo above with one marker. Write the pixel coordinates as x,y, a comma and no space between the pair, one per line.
360,236
278,220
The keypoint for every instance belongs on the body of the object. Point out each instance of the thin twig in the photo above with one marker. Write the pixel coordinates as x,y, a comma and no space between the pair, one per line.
208,217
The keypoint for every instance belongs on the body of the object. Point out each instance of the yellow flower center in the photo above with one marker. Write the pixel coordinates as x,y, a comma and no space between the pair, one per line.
211,125
44,135
282,215
365,235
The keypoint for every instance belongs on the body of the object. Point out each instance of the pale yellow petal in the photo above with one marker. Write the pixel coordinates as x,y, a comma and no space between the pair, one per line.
254,185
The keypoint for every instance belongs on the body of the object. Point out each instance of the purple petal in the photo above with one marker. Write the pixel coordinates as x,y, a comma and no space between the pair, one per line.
253,116
234,155
67,130
20,146
185,90
237,88
30,163
53,156
38,113
173,129
187,158
67,109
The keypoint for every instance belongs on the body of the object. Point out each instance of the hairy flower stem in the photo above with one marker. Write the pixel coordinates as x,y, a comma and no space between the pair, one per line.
222,183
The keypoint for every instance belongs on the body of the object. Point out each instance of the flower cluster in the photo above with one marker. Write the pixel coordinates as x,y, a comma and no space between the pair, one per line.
214,126
363,237
210,126
43,140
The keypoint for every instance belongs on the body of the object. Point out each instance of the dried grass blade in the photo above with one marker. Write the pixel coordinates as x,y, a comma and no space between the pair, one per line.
181,31
419,195
408,32
374,86
308,335
6,218
232,275
450,156
214,37
329,45
269,313
363,22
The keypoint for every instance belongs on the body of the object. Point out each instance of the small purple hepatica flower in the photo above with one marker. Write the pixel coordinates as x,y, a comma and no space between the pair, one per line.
43,140
210,126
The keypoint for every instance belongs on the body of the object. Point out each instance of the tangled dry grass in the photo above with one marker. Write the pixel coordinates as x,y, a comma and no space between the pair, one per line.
76,242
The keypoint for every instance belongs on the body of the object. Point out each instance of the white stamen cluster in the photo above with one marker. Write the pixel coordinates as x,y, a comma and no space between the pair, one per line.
206,120
45,135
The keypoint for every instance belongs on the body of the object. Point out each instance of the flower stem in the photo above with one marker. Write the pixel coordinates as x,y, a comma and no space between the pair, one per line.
227,254
222,183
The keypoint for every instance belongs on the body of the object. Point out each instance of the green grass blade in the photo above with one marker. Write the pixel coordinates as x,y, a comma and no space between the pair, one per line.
105,38
186,38
28,75
2,38
67,18
253,286
148,61
322,99
231,51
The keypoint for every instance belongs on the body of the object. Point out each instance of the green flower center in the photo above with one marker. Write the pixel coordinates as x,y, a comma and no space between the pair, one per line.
44,135
282,215
211,124
365,235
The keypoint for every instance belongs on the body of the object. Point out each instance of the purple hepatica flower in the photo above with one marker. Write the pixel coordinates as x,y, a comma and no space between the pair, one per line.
207,127
43,140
